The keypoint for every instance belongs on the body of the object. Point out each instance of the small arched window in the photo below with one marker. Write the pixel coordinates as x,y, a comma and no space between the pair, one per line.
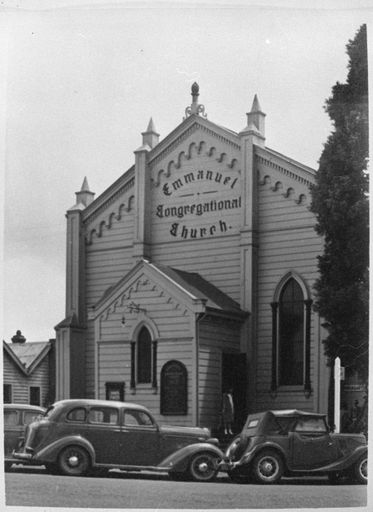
291,324
144,357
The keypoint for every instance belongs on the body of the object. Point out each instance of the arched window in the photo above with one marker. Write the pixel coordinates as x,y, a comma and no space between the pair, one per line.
291,323
291,334
144,357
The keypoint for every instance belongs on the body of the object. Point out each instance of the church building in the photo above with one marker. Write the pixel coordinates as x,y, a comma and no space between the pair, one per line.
193,274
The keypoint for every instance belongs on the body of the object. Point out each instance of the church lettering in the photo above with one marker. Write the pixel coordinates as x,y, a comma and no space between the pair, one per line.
163,211
200,175
184,232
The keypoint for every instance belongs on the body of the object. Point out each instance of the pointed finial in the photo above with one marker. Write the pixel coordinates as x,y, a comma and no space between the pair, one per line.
195,108
84,196
150,137
256,105
85,186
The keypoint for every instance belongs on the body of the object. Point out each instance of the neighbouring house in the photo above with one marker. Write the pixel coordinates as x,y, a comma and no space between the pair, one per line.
29,371
193,273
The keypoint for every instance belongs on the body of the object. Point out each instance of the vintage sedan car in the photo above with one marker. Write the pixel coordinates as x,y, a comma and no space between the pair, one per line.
78,437
16,418
291,442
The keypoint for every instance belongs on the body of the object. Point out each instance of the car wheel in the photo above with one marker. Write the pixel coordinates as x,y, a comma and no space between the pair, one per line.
73,461
267,467
203,467
361,470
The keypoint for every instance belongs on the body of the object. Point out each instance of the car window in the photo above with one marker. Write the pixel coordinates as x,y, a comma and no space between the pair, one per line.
137,418
310,425
77,414
11,418
30,416
105,415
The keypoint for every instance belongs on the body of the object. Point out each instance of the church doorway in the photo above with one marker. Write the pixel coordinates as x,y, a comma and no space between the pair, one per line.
234,378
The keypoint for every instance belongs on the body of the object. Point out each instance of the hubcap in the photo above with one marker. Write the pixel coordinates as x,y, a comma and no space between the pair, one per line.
364,469
73,461
268,468
203,467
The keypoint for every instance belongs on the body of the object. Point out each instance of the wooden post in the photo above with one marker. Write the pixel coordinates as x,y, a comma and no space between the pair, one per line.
337,394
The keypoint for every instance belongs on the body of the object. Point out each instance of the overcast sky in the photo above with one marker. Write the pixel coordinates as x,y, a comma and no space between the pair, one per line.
82,82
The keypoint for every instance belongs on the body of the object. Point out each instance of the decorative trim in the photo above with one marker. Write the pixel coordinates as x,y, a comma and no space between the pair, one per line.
107,224
124,188
289,193
188,156
283,170
195,126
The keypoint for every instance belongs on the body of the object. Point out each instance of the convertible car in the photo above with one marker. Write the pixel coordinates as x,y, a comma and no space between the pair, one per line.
78,437
291,442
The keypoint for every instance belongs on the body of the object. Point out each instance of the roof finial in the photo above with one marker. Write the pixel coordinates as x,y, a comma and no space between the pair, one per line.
195,108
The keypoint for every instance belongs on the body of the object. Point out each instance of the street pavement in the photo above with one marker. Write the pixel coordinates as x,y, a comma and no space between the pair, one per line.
33,487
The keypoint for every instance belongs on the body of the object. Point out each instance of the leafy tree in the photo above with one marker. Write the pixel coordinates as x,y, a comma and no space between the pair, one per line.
340,203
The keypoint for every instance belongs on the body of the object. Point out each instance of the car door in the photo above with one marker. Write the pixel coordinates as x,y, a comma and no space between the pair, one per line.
102,429
140,439
311,444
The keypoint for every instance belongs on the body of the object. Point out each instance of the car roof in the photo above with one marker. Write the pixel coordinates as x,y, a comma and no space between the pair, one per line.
24,407
83,402
289,413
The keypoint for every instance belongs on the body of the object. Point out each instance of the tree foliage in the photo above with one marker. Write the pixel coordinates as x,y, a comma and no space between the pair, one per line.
340,203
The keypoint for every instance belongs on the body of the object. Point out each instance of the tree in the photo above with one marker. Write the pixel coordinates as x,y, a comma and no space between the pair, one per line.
340,203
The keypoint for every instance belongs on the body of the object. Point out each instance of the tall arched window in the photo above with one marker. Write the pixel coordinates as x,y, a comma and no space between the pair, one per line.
291,334
291,325
144,357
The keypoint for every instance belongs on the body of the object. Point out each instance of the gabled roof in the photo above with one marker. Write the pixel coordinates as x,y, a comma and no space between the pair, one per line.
195,290
27,356
202,289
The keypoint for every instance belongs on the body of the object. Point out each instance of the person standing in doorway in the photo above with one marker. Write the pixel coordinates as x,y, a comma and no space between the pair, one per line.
228,411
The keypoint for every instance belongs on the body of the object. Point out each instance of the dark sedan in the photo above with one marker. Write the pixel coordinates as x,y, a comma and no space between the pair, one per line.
16,418
291,442
78,437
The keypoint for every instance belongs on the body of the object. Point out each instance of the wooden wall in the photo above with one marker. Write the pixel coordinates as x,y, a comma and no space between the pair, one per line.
21,383
287,243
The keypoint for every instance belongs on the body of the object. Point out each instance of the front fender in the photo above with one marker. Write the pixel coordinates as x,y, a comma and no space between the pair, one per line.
179,460
50,453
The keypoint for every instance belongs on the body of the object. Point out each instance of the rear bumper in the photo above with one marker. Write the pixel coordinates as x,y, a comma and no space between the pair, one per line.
22,456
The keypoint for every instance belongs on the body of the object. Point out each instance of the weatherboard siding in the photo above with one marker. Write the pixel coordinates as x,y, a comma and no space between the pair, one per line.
287,243
21,383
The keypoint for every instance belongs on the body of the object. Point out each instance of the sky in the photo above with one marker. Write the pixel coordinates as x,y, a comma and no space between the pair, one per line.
81,79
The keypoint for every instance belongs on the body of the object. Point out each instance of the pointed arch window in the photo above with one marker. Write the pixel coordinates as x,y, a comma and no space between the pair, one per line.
291,316
144,359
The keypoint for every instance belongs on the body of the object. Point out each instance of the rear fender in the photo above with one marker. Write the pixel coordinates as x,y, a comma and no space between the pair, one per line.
50,453
179,460
345,462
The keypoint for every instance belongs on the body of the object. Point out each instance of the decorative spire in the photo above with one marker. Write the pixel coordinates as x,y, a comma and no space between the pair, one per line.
85,196
256,105
150,137
195,108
